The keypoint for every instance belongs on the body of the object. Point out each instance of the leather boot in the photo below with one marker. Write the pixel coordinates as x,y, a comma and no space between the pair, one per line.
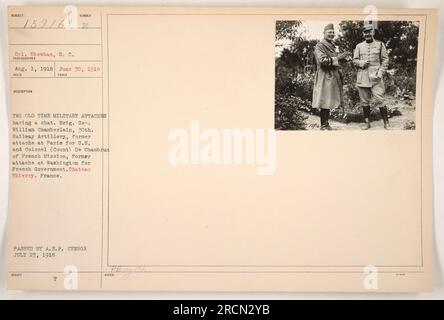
325,114
322,116
366,110
384,115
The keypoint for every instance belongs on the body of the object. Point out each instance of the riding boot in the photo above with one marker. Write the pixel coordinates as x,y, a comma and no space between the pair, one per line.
384,115
322,116
325,114
366,110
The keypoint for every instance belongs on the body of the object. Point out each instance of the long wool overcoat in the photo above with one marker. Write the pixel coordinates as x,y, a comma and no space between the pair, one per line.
327,89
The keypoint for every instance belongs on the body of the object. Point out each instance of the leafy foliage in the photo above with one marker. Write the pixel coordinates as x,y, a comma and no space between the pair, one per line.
287,114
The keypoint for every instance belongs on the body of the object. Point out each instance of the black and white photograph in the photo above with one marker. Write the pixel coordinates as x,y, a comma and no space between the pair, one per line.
346,75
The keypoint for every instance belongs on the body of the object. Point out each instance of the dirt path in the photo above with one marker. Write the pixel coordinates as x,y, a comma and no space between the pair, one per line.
396,123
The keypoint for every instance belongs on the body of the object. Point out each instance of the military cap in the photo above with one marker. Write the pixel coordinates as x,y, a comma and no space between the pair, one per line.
367,27
329,27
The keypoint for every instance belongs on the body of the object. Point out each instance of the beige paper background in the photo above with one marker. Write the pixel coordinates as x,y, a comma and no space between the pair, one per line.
338,201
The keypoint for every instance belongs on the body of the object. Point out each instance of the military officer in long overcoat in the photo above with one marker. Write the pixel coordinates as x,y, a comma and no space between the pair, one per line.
328,83
371,59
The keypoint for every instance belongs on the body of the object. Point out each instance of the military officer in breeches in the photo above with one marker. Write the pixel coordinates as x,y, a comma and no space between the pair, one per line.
371,59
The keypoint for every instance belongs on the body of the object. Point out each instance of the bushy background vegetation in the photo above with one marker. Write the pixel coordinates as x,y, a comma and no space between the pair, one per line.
295,71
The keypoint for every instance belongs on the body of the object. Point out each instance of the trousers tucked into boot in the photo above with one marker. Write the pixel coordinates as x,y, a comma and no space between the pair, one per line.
384,115
366,110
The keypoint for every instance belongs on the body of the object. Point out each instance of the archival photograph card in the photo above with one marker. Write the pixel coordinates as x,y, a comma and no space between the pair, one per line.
220,149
